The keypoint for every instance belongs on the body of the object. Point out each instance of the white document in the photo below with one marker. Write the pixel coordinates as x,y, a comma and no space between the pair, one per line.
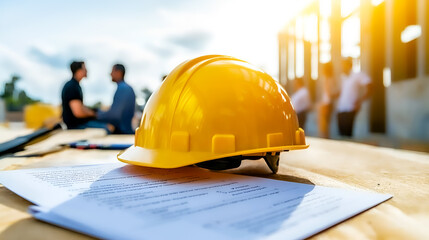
117,201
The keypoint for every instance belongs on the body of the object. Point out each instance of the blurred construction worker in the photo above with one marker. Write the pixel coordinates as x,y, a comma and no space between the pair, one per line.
121,112
355,89
75,114
301,101
329,93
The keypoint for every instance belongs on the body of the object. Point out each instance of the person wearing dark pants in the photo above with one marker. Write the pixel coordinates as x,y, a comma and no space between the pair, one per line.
345,123
350,99
302,118
301,101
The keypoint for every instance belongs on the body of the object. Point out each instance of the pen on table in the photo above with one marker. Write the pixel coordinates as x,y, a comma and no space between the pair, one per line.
86,145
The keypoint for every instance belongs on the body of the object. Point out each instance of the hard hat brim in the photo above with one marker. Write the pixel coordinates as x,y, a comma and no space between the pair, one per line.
167,159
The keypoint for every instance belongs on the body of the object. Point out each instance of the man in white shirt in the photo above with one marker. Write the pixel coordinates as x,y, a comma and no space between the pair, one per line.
355,88
301,101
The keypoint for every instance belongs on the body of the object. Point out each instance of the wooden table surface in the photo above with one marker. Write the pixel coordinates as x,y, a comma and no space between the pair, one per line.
404,174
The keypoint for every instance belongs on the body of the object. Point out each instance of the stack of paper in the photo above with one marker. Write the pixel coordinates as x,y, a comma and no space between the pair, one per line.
117,201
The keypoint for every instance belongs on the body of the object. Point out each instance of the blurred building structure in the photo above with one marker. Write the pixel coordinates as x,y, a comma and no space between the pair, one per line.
388,40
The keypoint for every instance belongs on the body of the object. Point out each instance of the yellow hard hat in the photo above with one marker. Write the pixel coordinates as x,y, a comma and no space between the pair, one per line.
37,115
214,111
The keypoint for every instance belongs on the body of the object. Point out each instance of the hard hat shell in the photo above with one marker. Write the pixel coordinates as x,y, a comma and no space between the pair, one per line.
214,107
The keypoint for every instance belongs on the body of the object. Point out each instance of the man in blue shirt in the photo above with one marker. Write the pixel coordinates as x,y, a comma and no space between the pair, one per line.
121,112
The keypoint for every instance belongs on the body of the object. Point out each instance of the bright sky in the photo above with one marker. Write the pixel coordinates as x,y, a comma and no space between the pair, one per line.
39,39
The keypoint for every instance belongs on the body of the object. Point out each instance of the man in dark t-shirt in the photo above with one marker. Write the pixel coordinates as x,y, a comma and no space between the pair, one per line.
75,114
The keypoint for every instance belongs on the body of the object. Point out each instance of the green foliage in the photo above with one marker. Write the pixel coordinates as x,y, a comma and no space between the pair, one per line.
14,98
146,93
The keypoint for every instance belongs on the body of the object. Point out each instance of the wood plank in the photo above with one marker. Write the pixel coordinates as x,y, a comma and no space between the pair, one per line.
405,174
